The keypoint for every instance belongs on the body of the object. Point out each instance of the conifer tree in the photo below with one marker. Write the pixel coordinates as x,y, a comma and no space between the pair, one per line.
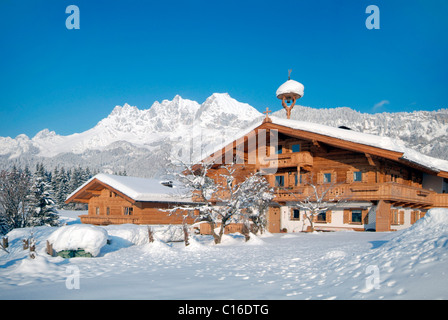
43,210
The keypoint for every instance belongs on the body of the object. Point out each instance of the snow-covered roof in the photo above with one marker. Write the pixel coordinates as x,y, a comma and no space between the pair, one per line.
141,189
385,143
291,86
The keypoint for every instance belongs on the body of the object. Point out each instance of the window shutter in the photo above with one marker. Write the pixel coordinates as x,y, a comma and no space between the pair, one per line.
414,216
350,176
346,216
320,178
363,176
393,216
401,217
328,216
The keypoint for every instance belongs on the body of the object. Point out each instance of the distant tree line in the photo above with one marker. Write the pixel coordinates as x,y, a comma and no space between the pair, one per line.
32,198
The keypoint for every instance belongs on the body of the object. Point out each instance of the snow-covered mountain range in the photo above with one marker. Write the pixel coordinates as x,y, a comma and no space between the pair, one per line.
140,140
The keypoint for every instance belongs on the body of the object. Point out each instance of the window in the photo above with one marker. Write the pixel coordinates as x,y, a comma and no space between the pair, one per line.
327,177
279,181
357,176
356,216
278,149
295,148
322,217
107,211
128,211
97,211
295,214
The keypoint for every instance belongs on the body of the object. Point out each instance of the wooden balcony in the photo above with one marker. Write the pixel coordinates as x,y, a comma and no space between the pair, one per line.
106,220
286,160
440,200
389,191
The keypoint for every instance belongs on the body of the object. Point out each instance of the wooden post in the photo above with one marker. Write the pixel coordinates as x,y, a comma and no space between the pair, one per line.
26,244
32,243
50,250
150,235
185,229
5,242
245,231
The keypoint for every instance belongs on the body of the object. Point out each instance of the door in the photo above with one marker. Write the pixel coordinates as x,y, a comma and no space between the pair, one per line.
274,220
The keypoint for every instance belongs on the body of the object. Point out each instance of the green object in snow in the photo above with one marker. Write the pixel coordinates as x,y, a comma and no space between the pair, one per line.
80,253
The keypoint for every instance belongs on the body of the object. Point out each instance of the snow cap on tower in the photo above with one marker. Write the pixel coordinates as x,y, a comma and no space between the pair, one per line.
289,91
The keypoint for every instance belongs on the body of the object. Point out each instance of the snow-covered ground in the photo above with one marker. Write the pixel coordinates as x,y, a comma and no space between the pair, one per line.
409,264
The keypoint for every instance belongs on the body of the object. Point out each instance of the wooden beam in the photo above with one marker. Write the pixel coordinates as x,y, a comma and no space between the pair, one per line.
95,192
443,174
370,160
82,200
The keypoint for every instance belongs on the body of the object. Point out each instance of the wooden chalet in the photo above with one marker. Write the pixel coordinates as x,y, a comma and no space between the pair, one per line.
385,185
115,199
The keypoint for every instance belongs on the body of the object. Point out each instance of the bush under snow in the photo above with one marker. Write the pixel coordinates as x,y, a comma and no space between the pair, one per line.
79,236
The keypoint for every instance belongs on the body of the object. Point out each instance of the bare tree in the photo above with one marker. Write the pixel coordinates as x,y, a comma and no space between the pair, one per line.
202,189
223,200
14,199
318,201
257,195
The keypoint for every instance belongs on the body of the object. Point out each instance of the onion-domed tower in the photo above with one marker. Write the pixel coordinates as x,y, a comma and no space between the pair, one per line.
290,92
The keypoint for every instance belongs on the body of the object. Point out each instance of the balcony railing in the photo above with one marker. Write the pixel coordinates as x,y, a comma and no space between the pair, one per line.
285,160
388,191
440,200
106,220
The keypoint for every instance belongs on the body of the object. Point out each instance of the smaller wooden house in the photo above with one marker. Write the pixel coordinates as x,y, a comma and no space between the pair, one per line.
116,199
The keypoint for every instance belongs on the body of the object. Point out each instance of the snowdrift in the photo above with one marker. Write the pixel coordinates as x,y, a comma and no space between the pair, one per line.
428,235
413,263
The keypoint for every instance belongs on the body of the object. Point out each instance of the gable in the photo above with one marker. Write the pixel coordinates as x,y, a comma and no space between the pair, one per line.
368,144
93,188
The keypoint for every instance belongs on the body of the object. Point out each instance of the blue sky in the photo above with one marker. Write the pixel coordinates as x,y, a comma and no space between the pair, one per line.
138,52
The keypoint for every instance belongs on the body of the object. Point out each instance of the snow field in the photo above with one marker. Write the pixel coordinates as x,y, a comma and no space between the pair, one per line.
409,264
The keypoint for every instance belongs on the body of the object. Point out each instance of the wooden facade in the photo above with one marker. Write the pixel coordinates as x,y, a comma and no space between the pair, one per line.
382,190
108,205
